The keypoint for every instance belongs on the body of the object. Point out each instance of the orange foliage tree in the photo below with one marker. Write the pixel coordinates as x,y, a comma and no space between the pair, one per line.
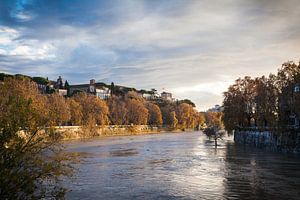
117,111
155,116
94,109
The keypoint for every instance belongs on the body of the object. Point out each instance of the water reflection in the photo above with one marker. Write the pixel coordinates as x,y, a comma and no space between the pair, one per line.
180,166
257,174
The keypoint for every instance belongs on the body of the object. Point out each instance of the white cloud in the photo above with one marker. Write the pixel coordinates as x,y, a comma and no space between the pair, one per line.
195,49
27,49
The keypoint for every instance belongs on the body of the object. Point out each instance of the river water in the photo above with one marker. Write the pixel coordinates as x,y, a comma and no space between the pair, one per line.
180,166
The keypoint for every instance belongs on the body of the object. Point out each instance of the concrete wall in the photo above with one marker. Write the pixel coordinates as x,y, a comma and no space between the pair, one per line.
285,142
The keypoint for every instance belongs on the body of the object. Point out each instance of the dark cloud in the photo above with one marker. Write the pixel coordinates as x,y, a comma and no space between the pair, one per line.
194,49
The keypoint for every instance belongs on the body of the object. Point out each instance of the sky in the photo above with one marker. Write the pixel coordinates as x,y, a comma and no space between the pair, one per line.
192,48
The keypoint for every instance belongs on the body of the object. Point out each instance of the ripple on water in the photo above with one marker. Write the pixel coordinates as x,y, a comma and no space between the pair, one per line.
124,152
159,161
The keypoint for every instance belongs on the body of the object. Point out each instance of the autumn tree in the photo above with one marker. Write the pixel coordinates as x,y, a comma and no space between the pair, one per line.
199,119
239,104
134,95
173,120
214,119
59,110
215,128
286,80
155,116
93,109
266,101
137,113
188,102
76,111
117,111
185,115
30,153
168,114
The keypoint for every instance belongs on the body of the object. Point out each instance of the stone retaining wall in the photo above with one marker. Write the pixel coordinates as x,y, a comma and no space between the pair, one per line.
78,132
287,142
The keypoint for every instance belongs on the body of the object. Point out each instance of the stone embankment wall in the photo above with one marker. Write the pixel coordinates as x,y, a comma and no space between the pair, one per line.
285,142
78,132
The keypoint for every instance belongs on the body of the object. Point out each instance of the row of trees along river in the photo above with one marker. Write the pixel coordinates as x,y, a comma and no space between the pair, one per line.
271,102
131,108
31,156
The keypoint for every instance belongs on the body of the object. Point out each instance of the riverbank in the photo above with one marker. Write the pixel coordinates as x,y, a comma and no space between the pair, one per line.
81,132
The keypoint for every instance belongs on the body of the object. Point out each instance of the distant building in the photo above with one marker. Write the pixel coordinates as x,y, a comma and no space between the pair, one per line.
166,96
62,92
97,89
216,108
103,93
59,83
150,96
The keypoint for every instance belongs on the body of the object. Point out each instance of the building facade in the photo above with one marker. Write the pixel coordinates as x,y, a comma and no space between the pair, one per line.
166,96
97,89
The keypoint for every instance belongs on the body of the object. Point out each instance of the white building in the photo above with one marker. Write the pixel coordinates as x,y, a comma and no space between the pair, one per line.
103,93
98,89
62,92
150,96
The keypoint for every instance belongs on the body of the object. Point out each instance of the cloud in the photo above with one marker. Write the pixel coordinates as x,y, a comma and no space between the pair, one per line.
194,49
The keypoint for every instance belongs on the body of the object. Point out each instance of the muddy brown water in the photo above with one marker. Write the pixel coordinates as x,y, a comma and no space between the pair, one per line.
180,166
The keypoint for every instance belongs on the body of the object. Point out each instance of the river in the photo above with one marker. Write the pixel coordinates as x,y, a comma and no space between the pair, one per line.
180,166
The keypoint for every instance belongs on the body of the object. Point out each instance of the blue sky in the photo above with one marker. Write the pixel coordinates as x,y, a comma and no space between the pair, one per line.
192,48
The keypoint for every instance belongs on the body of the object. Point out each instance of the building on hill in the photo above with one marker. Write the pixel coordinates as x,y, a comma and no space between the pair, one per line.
97,89
166,96
46,86
150,97
59,83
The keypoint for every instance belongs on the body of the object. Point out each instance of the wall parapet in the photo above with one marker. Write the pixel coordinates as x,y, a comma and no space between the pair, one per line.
80,132
285,142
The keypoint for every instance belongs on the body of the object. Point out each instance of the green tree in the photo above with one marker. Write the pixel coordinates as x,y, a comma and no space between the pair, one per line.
112,89
67,87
